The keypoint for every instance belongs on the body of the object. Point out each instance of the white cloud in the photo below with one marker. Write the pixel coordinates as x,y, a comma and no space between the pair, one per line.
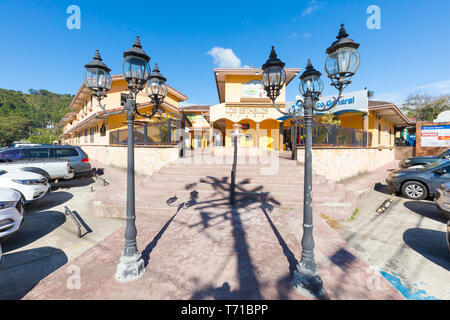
436,88
399,97
306,34
224,58
396,98
293,35
313,6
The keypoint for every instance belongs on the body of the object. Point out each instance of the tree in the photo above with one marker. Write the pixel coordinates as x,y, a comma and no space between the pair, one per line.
370,93
330,118
424,107
13,128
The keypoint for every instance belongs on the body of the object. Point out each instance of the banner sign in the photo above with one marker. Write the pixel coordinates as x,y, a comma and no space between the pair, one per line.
435,136
253,89
350,101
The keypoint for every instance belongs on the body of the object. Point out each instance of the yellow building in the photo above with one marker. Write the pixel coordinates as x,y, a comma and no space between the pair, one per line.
87,125
242,101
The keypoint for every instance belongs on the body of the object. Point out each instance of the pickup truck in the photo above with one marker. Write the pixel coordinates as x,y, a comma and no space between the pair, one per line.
50,169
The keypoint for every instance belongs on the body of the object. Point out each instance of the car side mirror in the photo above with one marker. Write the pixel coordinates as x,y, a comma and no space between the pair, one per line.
441,171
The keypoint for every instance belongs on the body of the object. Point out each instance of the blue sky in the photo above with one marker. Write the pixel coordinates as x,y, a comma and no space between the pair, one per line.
410,53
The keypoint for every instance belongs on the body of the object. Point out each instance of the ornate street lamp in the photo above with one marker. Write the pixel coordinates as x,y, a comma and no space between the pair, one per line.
136,72
341,64
342,61
273,79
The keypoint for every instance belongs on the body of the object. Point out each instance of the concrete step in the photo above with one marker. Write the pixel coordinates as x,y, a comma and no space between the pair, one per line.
254,170
204,185
188,178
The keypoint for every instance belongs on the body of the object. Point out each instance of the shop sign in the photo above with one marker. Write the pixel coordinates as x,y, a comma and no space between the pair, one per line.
246,112
435,136
350,101
253,89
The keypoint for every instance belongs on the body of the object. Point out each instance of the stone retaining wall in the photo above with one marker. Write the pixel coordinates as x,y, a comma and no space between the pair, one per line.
342,163
148,159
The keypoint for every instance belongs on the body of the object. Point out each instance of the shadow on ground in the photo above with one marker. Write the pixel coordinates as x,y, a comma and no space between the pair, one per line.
35,226
383,188
72,183
18,275
49,201
431,244
246,200
426,209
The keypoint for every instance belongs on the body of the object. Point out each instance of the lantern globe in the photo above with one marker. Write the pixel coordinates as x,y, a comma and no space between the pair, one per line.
343,59
156,87
96,76
311,83
274,75
135,65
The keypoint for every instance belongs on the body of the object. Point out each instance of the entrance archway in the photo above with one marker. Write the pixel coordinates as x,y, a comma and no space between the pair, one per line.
269,134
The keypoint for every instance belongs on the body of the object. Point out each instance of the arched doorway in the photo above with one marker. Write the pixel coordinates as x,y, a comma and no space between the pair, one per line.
269,134
249,134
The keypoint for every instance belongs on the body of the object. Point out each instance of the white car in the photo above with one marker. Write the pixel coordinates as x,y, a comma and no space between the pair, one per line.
11,212
31,186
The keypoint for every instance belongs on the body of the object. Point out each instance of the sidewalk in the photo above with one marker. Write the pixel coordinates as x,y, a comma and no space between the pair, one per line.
203,249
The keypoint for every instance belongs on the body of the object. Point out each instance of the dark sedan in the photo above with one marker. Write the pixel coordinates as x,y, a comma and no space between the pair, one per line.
416,161
420,183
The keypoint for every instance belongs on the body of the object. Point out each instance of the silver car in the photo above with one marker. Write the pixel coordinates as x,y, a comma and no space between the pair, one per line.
78,159
442,198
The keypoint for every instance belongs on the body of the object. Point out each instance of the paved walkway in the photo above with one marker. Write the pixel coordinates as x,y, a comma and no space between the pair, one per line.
198,247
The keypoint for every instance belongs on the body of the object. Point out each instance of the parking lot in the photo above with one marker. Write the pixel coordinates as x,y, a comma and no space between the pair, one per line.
406,243
49,237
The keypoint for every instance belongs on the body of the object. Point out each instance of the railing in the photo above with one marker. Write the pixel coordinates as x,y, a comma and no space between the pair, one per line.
333,135
157,133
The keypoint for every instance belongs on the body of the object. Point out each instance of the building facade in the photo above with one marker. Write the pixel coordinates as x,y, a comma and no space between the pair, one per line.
87,125
242,100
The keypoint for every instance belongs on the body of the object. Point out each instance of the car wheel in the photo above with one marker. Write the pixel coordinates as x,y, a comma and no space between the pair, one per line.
414,190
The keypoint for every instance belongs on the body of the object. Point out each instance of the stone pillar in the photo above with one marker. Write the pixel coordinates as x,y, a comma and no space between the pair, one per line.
257,134
365,122
365,125
211,136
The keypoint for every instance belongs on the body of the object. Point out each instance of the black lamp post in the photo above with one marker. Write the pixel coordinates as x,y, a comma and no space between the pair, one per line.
137,73
341,64
273,79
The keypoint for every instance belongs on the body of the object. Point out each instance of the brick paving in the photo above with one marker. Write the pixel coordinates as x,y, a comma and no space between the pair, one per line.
196,246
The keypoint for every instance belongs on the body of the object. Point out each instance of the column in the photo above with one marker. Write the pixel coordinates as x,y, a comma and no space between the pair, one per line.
365,126
257,134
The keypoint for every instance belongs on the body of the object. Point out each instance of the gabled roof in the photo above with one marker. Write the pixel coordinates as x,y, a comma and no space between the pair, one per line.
196,108
391,112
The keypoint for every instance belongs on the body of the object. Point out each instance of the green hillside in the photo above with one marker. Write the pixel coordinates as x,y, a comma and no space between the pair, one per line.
32,116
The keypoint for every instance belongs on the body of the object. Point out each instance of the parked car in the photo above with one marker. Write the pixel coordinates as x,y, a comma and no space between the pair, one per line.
50,169
448,235
421,161
442,198
11,213
78,159
420,183
31,186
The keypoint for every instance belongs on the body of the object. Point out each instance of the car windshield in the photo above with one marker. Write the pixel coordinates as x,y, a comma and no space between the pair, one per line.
2,172
444,153
435,164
